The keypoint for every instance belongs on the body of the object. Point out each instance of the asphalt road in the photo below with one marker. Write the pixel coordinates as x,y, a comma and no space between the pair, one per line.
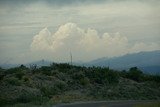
104,104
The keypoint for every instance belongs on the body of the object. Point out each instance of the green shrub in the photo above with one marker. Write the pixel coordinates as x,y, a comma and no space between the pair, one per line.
61,76
112,77
20,74
78,75
61,85
25,78
57,87
46,70
135,74
84,81
16,70
2,74
49,91
13,81
34,69
18,94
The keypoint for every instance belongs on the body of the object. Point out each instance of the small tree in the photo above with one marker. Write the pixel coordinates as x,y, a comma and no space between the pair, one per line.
135,74
33,68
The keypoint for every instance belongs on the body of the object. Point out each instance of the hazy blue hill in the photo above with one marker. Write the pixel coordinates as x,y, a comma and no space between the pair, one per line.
147,61
8,65
40,63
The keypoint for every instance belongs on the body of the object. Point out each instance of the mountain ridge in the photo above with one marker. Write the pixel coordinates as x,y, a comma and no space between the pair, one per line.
148,62
143,60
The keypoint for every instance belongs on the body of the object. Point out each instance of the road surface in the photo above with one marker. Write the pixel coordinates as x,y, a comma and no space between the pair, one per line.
104,104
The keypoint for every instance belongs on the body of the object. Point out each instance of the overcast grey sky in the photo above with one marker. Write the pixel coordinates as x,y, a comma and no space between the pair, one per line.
49,29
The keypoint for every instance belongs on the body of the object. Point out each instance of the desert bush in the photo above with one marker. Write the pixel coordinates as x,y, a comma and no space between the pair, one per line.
135,74
62,67
62,76
2,73
49,91
61,85
18,94
78,75
84,81
46,70
16,70
25,78
12,81
20,74
156,78
34,69
112,77
57,87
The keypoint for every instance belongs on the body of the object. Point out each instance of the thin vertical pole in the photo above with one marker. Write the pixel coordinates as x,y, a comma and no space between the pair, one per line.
71,57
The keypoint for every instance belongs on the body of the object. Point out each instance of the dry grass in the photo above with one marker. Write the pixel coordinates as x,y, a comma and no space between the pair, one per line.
155,104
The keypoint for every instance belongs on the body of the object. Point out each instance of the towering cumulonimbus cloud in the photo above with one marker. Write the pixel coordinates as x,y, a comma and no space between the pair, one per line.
85,44
42,41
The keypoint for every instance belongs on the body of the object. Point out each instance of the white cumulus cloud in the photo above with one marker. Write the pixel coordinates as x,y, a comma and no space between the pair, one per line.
85,44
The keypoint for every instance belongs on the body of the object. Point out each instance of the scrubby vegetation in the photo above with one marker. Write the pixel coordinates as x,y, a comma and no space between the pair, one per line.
59,83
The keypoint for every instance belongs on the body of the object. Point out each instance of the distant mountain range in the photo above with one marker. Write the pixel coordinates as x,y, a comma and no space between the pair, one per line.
148,62
38,63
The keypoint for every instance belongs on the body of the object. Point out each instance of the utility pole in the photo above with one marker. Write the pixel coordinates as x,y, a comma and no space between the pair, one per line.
71,57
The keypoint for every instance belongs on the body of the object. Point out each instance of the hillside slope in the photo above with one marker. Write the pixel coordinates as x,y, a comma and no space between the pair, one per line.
147,61
62,83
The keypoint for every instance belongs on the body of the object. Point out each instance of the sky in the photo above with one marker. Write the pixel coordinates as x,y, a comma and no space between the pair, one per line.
32,30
